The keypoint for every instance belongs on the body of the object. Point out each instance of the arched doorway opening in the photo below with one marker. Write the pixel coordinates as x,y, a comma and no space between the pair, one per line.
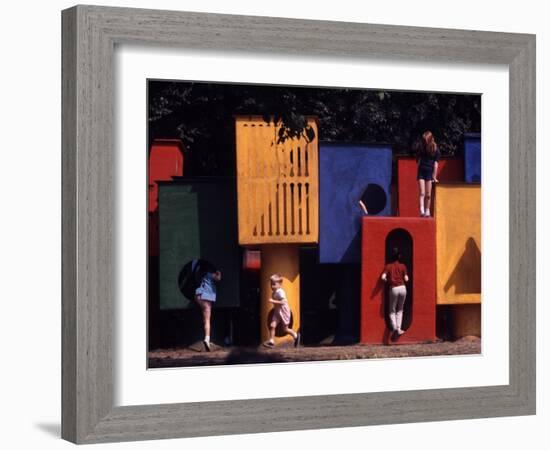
401,239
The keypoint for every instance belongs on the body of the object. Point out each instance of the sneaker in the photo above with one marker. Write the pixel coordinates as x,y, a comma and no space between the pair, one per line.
207,346
298,339
269,344
394,335
422,214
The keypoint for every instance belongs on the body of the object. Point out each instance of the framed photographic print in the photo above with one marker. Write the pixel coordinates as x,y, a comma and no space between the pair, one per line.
320,210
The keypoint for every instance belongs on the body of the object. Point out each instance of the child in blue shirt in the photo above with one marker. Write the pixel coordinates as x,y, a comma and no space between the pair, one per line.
205,296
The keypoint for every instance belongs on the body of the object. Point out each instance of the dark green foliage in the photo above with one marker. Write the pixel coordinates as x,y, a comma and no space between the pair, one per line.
202,115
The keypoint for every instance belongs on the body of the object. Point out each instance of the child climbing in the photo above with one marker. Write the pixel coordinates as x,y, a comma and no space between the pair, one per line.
395,274
205,296
280,313
427,156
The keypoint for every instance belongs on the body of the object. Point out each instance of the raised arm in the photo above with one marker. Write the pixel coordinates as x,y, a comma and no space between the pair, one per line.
276,302
363,207
434,175
436,165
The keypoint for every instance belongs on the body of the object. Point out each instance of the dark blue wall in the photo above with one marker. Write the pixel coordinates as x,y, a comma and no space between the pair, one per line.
345,172
472,158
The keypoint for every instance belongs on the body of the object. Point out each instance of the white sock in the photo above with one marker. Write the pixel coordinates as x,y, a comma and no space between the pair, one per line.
206,338
427,212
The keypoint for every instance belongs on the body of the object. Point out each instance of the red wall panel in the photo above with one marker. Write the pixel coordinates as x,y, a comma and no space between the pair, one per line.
374,233
449,170
252,259
165,161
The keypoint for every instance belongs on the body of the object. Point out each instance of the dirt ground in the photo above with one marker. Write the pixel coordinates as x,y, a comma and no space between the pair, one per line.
196,356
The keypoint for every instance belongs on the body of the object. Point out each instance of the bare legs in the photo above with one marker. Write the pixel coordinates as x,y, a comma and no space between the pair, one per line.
272,327
422,191
291,332
428,197
425,197
286,330
206,309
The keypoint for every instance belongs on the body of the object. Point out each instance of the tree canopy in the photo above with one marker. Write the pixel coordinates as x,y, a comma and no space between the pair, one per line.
202,116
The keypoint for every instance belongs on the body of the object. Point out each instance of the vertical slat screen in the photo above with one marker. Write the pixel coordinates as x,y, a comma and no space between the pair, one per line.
277,184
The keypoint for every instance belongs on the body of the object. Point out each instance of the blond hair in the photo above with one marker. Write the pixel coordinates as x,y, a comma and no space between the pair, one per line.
276,278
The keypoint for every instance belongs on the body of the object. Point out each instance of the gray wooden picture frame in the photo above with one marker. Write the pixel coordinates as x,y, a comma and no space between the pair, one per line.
89,37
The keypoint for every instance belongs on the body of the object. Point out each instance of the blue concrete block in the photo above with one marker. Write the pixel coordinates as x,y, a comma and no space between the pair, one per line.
347,173
472,158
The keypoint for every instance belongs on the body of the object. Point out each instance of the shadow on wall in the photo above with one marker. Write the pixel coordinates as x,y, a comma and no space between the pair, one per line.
466,276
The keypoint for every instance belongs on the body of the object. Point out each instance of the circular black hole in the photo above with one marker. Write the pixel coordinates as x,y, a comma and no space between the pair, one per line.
374,199
190,276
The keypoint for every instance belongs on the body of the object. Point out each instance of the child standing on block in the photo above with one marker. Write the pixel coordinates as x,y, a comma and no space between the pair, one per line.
280,313
395,274
427,158
205,296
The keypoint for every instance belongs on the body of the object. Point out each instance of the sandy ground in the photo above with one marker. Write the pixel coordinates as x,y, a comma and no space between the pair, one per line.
196,356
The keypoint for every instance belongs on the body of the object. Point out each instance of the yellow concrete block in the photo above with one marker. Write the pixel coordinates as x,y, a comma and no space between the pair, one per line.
285,261
458,237
277,184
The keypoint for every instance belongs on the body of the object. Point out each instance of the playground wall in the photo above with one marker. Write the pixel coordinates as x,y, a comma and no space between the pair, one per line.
449,170
417,242
349,173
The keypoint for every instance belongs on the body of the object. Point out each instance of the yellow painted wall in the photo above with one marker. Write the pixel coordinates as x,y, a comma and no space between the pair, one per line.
285,261
277,184
458,237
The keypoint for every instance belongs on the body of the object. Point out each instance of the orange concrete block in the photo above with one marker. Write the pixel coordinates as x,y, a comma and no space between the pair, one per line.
277,184
458,237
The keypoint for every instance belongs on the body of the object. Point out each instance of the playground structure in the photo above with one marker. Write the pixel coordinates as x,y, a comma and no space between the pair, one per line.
165,162
458,216
350,173
302,194
415,238
278,203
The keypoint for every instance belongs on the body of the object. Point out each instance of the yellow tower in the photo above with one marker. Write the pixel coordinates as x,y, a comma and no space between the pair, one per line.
277,196
458,236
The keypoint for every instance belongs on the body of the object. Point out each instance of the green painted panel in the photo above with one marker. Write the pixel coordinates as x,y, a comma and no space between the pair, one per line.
198,220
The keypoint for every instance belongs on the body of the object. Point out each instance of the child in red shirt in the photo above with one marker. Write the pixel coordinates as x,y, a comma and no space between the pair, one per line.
395,274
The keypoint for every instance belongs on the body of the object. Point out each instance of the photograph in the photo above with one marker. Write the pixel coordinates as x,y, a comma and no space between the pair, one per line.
296,223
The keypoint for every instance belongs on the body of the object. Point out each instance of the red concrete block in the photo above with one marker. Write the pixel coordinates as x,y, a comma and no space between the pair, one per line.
165,161
450,170
252,259
415,238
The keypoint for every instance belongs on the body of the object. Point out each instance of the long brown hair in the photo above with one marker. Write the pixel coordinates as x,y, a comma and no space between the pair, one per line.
427,145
